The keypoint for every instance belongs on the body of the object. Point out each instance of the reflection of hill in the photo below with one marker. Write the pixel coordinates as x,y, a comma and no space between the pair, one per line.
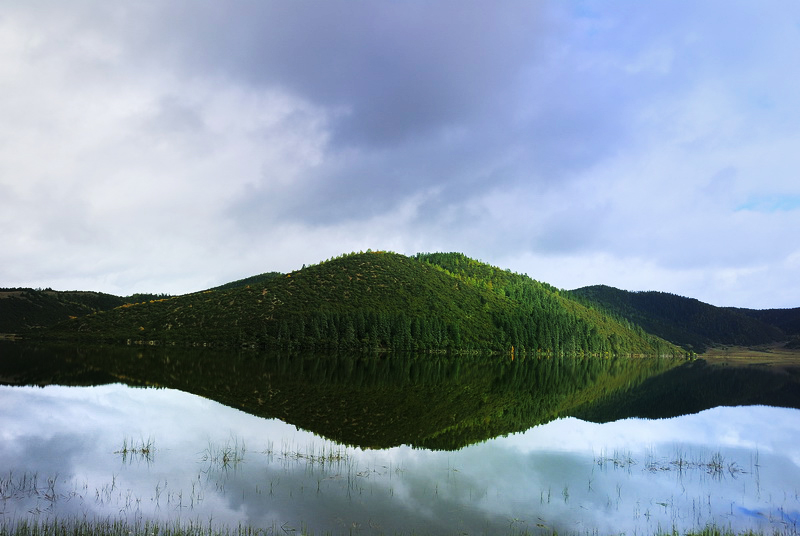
428,401
24,364
697,386
371,401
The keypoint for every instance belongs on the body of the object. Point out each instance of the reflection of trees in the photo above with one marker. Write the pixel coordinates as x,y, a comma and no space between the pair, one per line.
378,400
696,386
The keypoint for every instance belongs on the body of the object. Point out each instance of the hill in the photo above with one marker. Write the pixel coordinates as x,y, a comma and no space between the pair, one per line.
252,280
688,322
375,300
26,309
787,320
22,309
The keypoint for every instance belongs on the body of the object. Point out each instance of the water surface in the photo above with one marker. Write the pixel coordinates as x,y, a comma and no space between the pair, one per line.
142,453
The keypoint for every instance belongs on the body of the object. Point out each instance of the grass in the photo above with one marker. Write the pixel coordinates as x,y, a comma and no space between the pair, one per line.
327,454
715,465
219,457
139,450
773,355
105,527
227,456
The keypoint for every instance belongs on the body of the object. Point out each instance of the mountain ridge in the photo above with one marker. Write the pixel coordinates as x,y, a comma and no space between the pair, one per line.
382,300
377,301
690,323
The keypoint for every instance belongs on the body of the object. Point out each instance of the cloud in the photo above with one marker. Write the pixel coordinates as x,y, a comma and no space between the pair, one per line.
536,476
164,147
396,71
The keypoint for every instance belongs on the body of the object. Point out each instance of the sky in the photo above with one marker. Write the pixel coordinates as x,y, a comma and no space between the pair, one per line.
170,147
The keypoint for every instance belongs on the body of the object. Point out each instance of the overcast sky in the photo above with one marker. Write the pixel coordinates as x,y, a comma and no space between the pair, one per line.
154,146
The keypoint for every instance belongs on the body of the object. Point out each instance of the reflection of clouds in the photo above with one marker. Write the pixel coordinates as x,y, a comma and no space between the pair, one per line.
766,428
548,476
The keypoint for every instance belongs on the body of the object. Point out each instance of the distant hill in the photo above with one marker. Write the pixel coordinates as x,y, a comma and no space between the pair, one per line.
26,309
690,323
23,309
379,301
787,320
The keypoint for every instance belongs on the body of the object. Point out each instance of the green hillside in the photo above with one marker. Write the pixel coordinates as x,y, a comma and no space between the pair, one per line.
687,322
252,280
26,309
22,309
375,300
787,320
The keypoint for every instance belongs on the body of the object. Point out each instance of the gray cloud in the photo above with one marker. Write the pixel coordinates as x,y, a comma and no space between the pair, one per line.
140,137
396,72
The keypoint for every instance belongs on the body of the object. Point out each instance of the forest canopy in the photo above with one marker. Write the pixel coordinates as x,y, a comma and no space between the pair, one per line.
376,301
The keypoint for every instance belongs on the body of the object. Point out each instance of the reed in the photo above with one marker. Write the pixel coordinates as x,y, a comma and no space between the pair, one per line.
116,527
227,456
144,449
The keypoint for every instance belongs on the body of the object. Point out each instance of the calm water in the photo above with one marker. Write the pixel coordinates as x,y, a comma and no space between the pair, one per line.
117,451
391,444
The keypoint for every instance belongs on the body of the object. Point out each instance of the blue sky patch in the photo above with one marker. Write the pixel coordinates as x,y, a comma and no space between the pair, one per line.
772,203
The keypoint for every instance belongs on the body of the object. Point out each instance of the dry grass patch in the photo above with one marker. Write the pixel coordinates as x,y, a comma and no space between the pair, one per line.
771,355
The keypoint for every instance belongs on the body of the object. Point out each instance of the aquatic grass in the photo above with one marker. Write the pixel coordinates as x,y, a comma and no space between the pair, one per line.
618,459
332,468
716,466
717,531
118,527
327,454
28,485
144,449
227,456
121,527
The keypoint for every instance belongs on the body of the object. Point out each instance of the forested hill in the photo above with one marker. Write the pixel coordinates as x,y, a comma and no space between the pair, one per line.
253,280
23,309
691,323
787,320
376,300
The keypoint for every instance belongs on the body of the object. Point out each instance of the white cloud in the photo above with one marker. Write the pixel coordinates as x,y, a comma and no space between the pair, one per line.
142,151
130,174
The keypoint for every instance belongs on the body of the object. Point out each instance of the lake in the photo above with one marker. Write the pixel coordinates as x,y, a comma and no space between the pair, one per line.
391,444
